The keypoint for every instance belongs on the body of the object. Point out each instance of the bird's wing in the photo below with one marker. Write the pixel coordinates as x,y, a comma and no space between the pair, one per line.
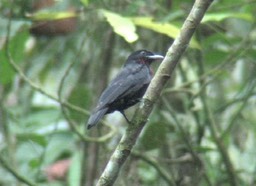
129,79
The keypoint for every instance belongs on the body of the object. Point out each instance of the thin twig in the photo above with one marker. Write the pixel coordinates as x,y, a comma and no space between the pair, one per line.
61,85
183,132
163,173
15,173
222,149
2,160
250,87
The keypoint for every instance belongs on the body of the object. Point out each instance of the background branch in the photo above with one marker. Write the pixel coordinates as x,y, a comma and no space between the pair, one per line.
19,177
162,172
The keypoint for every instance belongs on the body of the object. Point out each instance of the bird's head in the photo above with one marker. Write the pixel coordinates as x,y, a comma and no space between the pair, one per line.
143,57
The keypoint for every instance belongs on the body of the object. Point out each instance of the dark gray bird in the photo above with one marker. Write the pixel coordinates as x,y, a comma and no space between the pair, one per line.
127,88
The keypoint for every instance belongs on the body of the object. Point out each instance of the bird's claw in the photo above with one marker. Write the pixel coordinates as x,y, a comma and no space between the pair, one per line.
128,121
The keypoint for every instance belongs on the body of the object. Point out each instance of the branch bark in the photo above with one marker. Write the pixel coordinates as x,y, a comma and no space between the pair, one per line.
163,74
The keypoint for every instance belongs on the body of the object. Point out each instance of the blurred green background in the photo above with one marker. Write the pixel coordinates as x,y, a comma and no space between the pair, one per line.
56,57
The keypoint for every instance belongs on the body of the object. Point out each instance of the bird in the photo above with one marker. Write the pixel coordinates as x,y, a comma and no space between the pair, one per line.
127,88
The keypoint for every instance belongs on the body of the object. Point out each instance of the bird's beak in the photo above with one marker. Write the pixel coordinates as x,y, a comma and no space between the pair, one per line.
155,57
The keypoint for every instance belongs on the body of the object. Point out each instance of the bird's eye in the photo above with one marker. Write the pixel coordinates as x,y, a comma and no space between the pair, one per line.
143,53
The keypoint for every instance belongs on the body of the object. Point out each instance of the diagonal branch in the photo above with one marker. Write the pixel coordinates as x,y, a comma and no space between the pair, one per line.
16,174
163,74
162,172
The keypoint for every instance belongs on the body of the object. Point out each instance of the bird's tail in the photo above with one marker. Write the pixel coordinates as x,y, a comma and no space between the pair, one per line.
95,117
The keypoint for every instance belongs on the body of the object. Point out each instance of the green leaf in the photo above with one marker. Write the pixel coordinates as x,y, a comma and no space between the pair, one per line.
34,163
215,56
221,16
16,49
122,26
163,28
74,173
79,93
85,2
60,145
147,173
40,120
37,138
46,15
204,149
153,136
16,25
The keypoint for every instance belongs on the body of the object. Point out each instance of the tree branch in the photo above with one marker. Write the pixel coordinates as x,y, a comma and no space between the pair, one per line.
222,149
163,74
15,173
162,172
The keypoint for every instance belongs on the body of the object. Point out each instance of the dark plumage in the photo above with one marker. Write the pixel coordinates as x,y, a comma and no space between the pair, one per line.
127,88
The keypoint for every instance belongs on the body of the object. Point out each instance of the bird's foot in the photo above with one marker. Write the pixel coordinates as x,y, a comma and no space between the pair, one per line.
128,121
